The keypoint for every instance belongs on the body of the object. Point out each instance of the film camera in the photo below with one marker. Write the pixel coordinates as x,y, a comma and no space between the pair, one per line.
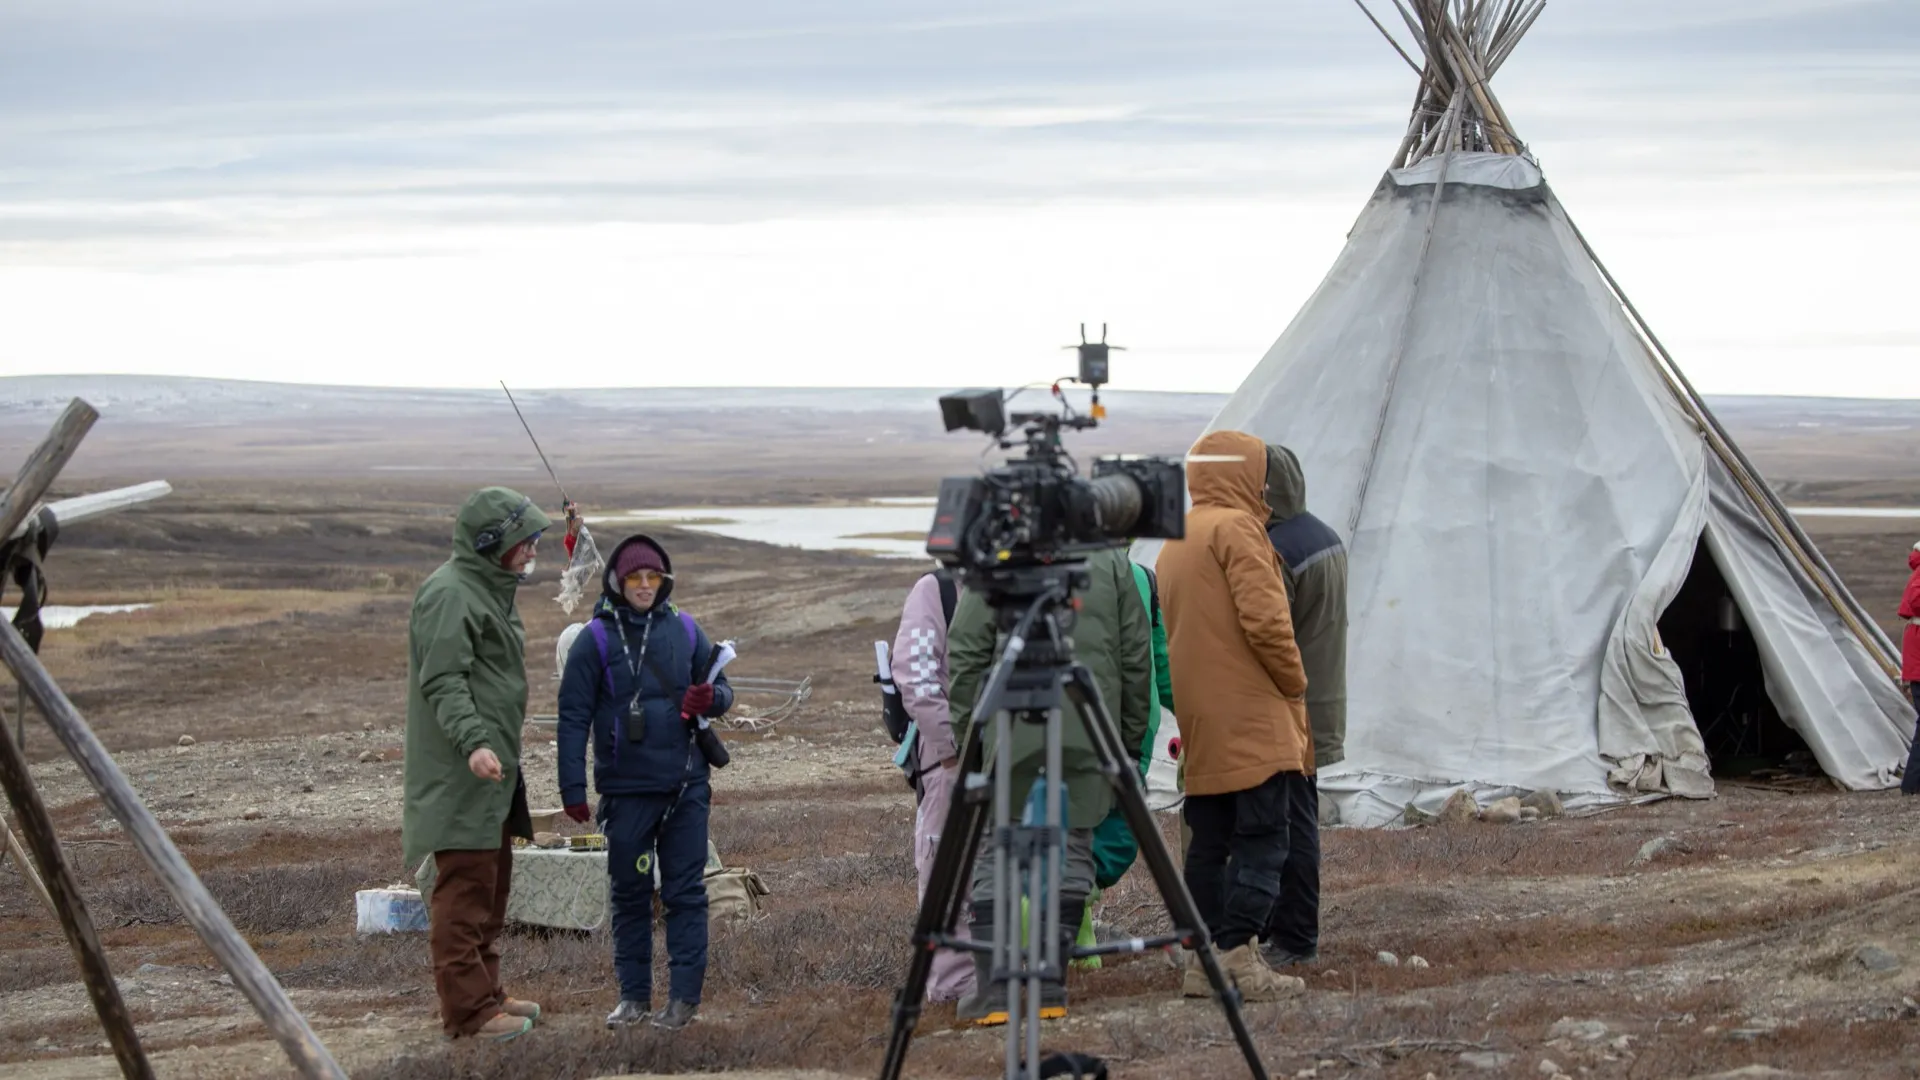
1036,510
1020,537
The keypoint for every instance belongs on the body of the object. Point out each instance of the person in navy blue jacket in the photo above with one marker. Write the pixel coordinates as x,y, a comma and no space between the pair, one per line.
637,683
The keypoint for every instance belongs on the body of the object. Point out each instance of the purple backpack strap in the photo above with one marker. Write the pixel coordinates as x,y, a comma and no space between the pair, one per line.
599,631
693,642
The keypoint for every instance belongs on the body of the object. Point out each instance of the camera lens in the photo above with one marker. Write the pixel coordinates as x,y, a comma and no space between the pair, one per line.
1116,500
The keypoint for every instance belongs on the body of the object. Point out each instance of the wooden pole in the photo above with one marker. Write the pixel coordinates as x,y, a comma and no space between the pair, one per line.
250,976
24,863
87,507
62,894
45,463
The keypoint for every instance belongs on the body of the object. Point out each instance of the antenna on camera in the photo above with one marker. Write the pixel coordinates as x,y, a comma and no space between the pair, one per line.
1095,369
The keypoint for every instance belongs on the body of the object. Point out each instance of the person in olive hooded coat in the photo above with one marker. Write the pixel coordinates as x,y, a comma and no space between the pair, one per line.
464,797
1113,636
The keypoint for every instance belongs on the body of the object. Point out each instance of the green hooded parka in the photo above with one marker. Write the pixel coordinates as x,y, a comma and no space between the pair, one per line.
467,686
1112,637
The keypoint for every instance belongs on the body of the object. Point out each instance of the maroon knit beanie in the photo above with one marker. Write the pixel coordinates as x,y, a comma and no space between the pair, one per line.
639,555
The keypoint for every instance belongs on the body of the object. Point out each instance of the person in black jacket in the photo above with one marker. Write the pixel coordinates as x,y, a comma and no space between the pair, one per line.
637,683
1313,565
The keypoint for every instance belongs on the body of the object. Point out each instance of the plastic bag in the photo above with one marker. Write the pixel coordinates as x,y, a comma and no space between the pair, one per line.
582,571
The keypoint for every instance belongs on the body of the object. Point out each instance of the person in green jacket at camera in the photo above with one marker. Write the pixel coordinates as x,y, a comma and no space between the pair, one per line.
1114,846
1113,637
465,799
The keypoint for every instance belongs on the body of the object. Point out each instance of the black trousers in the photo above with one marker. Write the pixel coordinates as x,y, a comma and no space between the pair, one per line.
1910,783
1236,862
1295,922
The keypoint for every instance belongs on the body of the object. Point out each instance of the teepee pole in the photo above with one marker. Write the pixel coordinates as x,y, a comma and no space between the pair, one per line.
1786,529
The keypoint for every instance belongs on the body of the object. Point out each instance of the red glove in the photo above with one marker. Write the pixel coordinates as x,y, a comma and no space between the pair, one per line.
698,700
1173,748
579,812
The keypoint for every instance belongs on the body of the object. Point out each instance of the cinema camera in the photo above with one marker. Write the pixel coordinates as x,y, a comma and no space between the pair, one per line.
1019,536
1036,511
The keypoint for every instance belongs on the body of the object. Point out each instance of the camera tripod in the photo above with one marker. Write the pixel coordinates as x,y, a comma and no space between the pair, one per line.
1028,680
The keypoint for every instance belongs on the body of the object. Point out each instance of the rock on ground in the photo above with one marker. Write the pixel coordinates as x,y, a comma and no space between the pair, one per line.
1459,808
1547,802
1583,1030
1502,811
1657,847
1875,959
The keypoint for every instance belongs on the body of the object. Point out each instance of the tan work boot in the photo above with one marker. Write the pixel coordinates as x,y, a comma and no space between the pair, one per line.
1255,980
1193,980
503,1028
525,1010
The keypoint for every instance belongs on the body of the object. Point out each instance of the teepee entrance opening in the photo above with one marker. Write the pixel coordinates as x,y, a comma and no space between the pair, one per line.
1707,634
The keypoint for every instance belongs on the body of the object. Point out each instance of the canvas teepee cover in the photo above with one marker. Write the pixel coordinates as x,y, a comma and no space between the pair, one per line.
1522,477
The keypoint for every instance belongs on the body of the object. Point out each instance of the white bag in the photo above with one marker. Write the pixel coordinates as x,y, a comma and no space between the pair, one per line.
395,910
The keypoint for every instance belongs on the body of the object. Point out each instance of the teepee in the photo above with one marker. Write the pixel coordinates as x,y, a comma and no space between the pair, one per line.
1564,575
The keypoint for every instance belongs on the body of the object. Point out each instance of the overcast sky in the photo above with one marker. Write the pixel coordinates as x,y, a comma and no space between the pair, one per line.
898,192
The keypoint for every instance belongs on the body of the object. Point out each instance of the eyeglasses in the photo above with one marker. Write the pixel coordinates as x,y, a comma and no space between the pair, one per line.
645,579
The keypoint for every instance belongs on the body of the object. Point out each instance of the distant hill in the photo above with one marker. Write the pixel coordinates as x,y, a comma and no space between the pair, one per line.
691,442
204,401
164,398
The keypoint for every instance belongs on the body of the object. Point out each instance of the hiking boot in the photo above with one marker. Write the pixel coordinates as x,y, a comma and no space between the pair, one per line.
525,1010
504,1028
1279,956
628,1013
1193,978
1256,981
676,1015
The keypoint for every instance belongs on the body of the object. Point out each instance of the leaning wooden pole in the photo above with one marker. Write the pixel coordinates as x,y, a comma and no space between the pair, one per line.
17,851
63,895
45,463
250,976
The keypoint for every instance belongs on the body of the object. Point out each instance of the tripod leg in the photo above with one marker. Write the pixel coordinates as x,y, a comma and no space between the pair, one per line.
1008,880
1125,779
946,894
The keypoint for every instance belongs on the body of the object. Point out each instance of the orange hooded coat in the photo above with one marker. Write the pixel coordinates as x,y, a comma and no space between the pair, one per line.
1236,669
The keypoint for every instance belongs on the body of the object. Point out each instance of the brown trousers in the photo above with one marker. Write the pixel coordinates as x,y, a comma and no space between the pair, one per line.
465,917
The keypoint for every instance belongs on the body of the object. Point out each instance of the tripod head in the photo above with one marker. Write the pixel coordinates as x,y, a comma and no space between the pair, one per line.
1034,603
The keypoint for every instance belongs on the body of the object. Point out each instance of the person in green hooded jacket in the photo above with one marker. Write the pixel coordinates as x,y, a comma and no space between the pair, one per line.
465,798
1113,637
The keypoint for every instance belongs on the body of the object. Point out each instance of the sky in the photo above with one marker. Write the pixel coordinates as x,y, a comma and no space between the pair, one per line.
898,192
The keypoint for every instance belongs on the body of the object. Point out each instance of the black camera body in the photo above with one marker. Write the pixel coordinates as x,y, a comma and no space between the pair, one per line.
1036,511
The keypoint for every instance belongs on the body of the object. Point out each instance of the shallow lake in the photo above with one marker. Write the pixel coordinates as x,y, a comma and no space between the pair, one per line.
888,528
65,617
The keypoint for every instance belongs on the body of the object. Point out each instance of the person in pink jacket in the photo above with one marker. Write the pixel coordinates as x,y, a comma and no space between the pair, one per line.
920,671
1910,664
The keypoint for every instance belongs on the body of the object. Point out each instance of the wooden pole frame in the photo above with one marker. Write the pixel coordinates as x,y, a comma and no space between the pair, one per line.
11,845
62,893
251,977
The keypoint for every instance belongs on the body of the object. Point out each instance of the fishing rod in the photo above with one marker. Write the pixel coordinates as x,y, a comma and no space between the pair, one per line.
566,501
536,444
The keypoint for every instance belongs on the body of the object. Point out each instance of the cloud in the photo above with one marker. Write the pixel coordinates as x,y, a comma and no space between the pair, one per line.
171,155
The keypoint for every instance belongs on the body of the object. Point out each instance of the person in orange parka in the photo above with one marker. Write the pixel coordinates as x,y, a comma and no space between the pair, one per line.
1241,686
1910,665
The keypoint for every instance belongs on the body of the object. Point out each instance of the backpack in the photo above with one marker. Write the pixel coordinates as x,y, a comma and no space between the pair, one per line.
599,631
893,709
